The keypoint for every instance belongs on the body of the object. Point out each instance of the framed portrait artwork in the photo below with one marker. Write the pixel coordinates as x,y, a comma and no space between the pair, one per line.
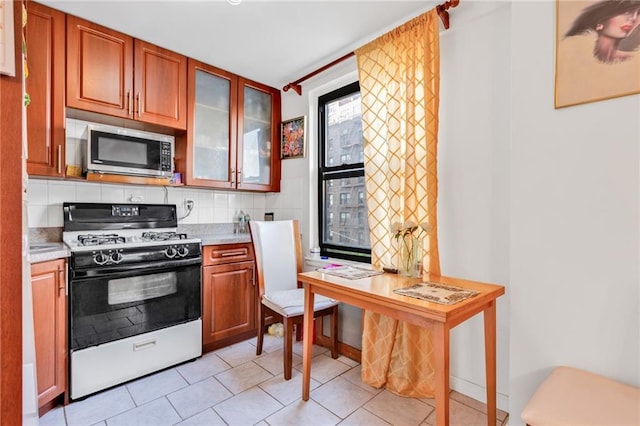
293,138
7,59
597,50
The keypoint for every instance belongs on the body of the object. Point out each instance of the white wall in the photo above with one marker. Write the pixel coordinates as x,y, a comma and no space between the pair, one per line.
543,201
473,178
574,279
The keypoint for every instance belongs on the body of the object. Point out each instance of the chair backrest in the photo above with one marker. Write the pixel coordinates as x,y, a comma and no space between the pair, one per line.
278,250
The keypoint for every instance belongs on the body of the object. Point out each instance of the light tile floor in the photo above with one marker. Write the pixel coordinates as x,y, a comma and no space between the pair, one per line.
233,386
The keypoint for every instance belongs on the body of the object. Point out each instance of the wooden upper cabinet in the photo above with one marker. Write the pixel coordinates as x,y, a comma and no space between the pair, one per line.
99,69
111,73
45,86
258,162
210,152
233,136
161,86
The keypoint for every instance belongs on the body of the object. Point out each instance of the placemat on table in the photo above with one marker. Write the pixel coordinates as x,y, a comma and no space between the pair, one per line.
437,292
349,272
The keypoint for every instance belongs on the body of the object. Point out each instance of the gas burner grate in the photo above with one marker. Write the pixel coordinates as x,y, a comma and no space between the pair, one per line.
98,239
162,236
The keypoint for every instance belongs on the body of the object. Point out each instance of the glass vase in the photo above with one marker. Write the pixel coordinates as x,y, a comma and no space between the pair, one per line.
410,256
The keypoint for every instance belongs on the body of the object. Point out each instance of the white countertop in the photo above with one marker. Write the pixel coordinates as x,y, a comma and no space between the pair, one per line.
43,252
215,239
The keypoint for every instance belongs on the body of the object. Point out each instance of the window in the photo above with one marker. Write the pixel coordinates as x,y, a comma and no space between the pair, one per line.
344,218
340,140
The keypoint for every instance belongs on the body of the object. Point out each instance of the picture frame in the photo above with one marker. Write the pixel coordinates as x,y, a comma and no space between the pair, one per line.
588,67
7,52
294,138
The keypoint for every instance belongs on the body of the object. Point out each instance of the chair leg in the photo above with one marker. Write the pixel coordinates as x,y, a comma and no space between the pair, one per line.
260,329
298,332
288,347
334,333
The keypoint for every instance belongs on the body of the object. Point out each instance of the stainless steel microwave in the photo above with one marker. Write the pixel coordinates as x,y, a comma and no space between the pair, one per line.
116,150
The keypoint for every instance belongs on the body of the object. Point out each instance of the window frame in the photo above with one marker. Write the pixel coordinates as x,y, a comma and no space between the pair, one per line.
329,173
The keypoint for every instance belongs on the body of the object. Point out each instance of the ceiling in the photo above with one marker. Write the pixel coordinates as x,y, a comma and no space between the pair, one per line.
273,42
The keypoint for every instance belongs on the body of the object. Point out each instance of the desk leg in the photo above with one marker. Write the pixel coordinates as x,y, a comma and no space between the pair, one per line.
307,341
490,360
441,348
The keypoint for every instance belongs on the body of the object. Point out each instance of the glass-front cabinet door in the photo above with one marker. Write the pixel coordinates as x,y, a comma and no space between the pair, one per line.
211,131
233,134
258,137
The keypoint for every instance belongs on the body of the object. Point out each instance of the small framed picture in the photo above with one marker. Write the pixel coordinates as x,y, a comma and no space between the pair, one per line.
597,50
293,140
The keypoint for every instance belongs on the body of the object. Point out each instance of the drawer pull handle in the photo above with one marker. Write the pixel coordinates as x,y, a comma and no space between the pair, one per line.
144,345
233,253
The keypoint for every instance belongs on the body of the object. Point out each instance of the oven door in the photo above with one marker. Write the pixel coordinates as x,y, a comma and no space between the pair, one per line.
108,304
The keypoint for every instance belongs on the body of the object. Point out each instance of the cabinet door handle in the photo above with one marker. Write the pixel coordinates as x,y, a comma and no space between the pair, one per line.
62,285
233,176
129,106
59,159
139,105
232,253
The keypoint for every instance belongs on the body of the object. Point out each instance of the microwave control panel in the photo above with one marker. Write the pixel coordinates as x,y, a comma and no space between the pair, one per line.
166,157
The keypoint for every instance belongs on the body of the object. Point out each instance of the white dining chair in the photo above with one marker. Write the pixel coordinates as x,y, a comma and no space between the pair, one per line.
278,251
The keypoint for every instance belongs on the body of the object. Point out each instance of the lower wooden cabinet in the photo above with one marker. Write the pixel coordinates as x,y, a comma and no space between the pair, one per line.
48,282
229,292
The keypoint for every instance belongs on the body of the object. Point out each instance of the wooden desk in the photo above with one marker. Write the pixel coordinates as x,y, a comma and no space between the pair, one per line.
376,294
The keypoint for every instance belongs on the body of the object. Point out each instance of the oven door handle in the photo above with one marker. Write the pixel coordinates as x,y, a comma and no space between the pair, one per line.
119,271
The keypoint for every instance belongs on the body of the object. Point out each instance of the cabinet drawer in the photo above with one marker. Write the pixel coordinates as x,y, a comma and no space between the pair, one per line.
227,253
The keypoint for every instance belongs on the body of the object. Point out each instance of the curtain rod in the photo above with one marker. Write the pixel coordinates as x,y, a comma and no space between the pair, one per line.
442,13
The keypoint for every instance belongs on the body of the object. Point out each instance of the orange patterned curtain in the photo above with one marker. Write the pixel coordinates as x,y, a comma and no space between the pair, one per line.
399,77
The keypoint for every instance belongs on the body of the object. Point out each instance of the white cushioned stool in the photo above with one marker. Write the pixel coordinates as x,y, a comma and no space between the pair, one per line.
570,396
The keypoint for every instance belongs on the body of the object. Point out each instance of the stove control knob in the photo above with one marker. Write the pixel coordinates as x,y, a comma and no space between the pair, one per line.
171,252
116,257
100,258
183,251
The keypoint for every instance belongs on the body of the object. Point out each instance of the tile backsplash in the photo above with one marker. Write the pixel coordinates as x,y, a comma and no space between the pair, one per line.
45,198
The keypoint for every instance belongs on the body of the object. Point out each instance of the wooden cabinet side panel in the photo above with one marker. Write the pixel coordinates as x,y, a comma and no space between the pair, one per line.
99,68
45,36
48,283
161,86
